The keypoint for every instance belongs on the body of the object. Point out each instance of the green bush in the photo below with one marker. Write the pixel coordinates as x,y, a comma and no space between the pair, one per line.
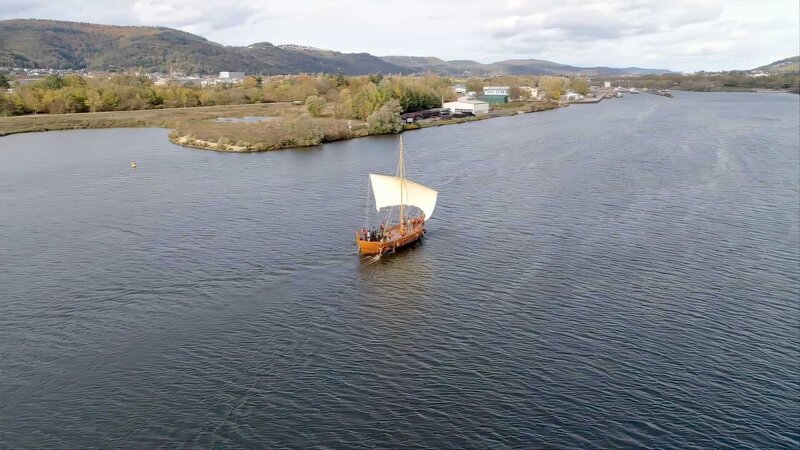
386,120
315,105
303,133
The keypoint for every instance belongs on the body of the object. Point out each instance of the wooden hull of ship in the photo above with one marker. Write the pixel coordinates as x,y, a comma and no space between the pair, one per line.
394,241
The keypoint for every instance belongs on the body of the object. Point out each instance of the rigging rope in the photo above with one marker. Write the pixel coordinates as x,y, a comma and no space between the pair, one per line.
414,170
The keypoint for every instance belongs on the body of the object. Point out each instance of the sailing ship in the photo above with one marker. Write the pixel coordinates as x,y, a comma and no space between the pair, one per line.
397,191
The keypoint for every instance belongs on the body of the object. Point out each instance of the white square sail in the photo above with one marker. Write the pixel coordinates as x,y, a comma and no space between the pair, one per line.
387,191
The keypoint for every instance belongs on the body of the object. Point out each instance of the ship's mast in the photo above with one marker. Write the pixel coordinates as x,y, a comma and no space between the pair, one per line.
401,169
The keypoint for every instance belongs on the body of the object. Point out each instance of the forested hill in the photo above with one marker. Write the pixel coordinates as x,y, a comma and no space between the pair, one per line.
71,45
784,65
510,67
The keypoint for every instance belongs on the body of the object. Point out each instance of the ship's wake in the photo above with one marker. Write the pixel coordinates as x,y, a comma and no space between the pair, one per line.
373,259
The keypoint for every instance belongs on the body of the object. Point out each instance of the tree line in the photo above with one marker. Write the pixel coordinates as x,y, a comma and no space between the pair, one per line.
336,95
325,95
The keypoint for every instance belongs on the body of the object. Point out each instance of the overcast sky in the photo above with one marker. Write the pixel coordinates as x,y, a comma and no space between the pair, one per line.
672,34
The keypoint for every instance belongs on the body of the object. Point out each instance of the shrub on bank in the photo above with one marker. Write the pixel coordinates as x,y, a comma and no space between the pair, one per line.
301,134
315,105
386,120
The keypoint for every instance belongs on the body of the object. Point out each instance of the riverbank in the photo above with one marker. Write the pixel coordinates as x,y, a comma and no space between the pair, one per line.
236,128
505,110
160,118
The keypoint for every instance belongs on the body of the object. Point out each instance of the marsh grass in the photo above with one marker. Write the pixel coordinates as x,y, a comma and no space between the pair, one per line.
285,132
164,118
197,127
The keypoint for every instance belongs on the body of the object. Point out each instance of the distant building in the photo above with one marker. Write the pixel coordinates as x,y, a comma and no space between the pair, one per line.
460,89
494,99
425,114
495,94
572,96
530,92
496,90
183,81
231,76
606,84
467,105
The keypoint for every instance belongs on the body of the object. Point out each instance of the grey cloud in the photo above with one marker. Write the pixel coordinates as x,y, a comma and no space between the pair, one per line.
112,11
17,8
196,16
603,20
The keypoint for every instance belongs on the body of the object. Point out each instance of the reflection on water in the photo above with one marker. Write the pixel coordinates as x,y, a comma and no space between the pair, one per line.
245,119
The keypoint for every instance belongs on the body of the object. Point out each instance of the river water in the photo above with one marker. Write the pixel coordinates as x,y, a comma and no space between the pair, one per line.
615,275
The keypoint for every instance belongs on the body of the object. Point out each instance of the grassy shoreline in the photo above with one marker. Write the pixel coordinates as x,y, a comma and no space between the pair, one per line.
159,118
284,125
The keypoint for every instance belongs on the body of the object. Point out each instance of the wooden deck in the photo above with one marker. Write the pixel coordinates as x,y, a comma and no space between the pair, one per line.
393,239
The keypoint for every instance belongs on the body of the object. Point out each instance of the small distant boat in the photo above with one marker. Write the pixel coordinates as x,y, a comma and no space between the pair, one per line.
133,164
397,191
633,91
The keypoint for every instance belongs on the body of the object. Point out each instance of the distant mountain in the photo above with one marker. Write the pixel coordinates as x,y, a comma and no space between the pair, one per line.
422,63
784,65
71,45
509,67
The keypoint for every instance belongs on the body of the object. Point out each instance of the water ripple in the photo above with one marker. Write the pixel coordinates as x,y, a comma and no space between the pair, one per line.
612,276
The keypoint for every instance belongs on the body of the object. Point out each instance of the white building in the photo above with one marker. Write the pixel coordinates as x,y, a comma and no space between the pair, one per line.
606,84
531,92
231,75
496,90
460,89
469,105
572,96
